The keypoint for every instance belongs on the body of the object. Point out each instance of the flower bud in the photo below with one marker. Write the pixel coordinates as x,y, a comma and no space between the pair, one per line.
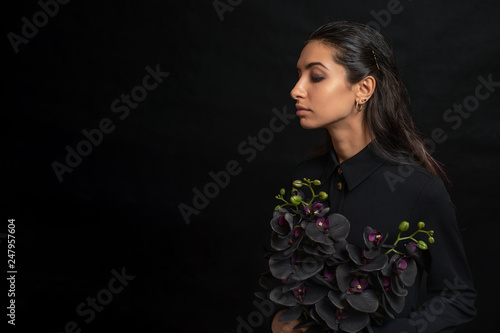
316,182
296,199
403,226
277,207
297,183
422,245
431,240
282,191
323,195
420,225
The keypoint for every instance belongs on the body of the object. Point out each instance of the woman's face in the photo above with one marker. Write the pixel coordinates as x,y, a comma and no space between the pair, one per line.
323,95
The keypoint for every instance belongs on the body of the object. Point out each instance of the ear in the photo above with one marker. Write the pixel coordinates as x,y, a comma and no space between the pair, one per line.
365,89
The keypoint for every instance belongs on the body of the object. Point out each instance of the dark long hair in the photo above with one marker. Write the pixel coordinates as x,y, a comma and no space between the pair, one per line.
363,51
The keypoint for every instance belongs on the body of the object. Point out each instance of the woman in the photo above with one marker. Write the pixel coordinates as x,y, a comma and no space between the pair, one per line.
377,170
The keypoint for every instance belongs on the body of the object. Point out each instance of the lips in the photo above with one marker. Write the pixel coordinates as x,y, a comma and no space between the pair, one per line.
301,110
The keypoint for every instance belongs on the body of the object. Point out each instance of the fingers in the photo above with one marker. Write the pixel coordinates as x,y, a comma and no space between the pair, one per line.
286,327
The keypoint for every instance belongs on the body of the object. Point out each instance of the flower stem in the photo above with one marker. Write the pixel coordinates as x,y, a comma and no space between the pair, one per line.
306,312
405,238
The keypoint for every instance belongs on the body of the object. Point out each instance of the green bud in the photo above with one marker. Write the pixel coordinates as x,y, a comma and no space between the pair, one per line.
431,232
296,199
431,240
277,207
317,182
420,225
422,245
323,195
297,183
403,226
282,191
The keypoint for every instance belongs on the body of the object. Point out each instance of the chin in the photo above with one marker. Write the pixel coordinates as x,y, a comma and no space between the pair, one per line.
307,124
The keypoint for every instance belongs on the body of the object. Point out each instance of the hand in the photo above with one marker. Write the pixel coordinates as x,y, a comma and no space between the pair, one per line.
285,327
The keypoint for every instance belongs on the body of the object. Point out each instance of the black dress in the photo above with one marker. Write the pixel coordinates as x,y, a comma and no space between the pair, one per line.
372,191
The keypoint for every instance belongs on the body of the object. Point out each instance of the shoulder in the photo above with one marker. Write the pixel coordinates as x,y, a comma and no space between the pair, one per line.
434,195
405,174
432,198
423,193
430,187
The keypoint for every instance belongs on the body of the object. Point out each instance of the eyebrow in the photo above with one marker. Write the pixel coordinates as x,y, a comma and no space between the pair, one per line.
309,65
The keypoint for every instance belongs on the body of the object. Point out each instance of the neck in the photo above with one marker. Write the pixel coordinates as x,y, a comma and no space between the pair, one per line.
349,139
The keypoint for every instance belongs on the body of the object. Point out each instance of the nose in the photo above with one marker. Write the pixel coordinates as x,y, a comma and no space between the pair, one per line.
298,91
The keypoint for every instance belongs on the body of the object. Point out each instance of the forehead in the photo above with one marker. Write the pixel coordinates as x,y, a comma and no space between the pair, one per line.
316,51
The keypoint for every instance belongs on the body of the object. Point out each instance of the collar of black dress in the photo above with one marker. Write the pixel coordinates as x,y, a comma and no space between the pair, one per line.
355,169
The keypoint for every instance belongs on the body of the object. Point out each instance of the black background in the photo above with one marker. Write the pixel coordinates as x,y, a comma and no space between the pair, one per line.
119,207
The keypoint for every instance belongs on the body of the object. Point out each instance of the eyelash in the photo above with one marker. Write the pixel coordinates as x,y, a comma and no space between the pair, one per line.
315,79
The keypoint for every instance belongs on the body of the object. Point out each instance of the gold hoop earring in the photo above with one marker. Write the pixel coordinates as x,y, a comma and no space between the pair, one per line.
360,106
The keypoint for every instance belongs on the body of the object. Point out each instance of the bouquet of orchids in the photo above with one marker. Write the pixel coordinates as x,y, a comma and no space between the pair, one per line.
330,284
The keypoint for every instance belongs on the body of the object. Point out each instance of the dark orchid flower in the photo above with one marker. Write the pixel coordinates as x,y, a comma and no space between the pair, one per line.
297,267
318,209
389,297
340,255
347,319
268,281
375,237
402,271
339,227
366,264
327,230
404,268
292,313
412,250
320,251
327,277
299,292
328,274
297,231
358,285
399,265
322,224
339,314
291,294
290,241
318,231
295,239
374,242
284,232
282,222
314,271
385,282
354,289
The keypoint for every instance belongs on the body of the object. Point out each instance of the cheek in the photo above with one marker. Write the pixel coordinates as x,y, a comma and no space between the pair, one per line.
336,101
